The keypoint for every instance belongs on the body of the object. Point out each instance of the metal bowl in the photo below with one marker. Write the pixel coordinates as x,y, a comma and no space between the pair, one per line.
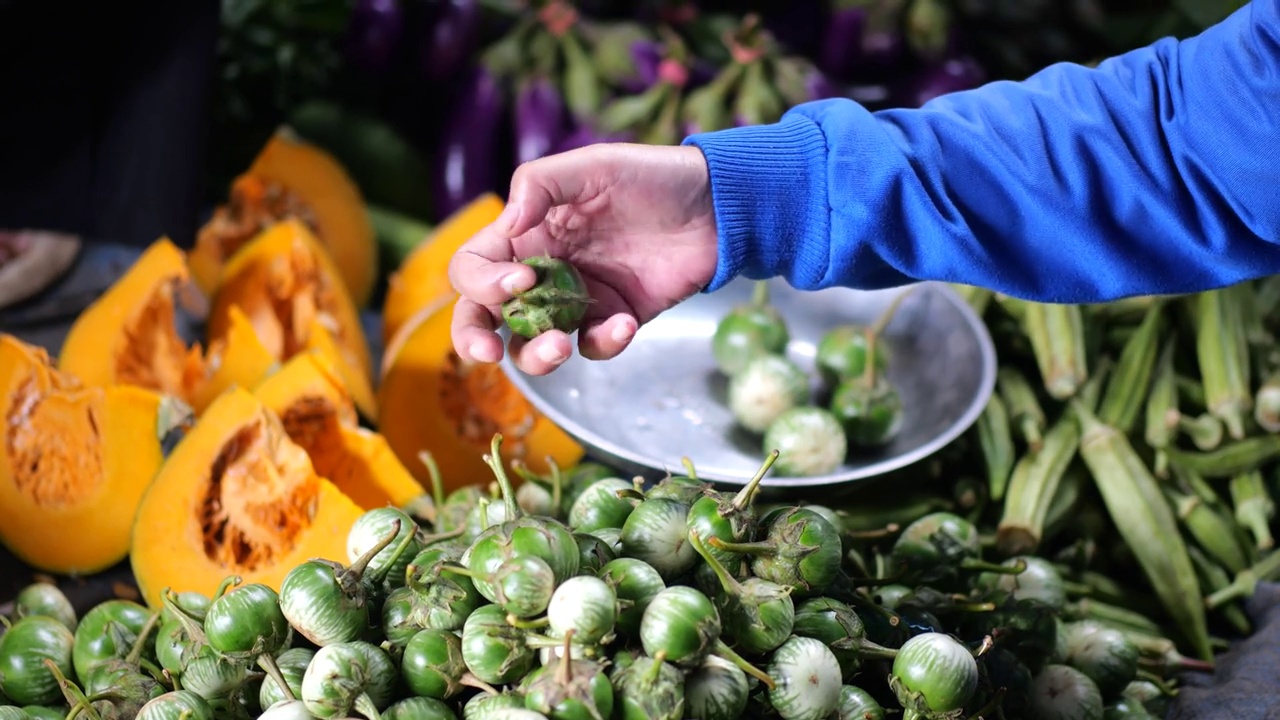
663,398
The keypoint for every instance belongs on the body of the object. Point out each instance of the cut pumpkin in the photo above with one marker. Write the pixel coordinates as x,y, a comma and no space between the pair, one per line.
129,336
75,461
430,399
317,413
236,497
423,277
286,284
291,178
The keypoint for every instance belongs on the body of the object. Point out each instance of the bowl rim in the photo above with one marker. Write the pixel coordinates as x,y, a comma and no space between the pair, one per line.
986,387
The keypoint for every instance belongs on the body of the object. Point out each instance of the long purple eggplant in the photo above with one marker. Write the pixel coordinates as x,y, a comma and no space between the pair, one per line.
466,163
453,29
540,118
585,135
863,39
373,34
952,75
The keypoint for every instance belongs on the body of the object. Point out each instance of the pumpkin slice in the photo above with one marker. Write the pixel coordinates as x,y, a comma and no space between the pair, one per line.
286,284
317,412
129,336
291,178
423,277
430,399
236,497
237,359
75,461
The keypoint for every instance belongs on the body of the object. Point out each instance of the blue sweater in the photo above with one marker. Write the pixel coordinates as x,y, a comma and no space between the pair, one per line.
1157,172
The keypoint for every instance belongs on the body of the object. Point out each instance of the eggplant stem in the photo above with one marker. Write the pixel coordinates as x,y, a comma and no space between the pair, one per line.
629,494
135,652
759,547
194,631
173,680
494,459
729,654
564,672
399,550
557,483
877,534
269,666
72,692
730,584
437,486
651,677
743,499
987,644
357,568
364,705
523,624
875,651
689,468
227,583
998,569
760,293
471,681
1158,681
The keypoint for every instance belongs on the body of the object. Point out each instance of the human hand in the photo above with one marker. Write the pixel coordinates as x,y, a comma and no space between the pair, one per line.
637,222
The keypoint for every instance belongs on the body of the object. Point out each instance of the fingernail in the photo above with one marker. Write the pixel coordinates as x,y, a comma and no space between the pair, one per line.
513,282
509,216
622,332
480,353
551,355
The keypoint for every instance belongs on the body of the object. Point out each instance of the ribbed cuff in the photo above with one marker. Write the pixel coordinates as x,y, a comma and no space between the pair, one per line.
769,188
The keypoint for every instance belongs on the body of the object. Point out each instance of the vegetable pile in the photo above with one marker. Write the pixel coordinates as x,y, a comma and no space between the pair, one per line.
769,394
582,595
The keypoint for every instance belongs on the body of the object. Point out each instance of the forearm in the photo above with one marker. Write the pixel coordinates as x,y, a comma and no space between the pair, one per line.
1153,173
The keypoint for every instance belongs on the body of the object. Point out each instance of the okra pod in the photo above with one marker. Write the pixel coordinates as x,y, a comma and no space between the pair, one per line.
1057,339
1266,294
1032,487
1205,431
1190,392
1129,309
1013,307
1162,399
1266,404
1127,387
1266,569
1023,407
977,298
1062,510
1230,459
1113,616
996,439
1211,530
1214,578
1145,521
1254,509
1222,353
865,517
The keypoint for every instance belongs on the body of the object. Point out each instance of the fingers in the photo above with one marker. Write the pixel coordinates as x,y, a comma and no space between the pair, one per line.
609,324
472,331
547,182
542,354
482,270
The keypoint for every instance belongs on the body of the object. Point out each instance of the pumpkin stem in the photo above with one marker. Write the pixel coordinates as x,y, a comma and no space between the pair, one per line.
357,568
494,459
135,652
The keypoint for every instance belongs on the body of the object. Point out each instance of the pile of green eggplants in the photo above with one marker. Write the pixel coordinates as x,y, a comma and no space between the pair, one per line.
588,596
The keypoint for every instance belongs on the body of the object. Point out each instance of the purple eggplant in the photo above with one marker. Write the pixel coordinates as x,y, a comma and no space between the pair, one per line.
585,135
373,34
453,29
539,120
863,39
952,75
466,163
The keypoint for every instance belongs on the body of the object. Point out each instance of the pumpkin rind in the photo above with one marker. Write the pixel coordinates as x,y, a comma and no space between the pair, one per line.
423,278
286,284
293,178
318,414
74,463
235,497
430,399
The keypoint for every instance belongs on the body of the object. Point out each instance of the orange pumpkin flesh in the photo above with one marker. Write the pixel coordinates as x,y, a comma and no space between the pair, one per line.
291,178
129,336
236,497
74,463
286,285
430,399
318,415
423,278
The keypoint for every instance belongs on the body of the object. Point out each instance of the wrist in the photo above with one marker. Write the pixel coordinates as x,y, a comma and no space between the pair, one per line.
768,187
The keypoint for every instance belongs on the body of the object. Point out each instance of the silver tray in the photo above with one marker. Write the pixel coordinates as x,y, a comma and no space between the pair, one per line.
663,398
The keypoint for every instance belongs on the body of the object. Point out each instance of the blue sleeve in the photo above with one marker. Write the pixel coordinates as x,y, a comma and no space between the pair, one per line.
1157,172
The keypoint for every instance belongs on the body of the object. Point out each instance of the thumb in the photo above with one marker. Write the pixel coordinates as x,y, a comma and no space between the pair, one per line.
539,185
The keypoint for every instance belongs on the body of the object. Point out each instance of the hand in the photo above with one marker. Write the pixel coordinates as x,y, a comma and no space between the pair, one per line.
636,220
